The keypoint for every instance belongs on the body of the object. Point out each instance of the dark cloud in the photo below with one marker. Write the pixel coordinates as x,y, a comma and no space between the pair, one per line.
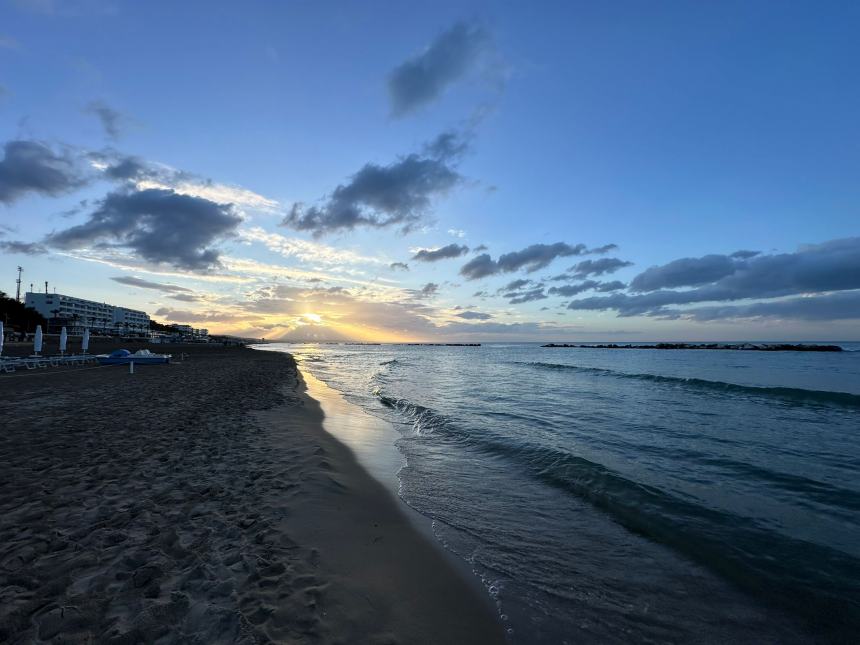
515,285
424,78
448,145
573,289
24,248
399,194
159,225
428,290
527,296
474,315
126,168
814,269
478,267
131,281
480,294
537,256
480,247
601,266
531,258
606,248
32,167
686,272
614,285
443,253
120,167
185,297
111,120
399,265
834,306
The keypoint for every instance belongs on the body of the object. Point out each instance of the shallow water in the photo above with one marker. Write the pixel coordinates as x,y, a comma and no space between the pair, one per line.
618,495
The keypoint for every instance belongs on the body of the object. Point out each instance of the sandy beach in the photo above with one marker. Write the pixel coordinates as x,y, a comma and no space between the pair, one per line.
203,502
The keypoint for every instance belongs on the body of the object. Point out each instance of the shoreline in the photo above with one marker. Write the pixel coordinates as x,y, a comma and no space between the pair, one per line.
386,547
335,409
205,500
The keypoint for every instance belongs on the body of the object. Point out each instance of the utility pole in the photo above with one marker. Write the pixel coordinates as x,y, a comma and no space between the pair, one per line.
18,286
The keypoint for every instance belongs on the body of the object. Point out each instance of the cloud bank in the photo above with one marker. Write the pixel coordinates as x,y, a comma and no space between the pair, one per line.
531,259
809,275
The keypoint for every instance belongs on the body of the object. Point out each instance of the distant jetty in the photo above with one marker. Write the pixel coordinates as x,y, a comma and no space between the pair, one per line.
748,347
439,344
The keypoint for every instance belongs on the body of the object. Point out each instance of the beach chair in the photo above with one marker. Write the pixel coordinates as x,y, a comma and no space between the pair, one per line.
35,362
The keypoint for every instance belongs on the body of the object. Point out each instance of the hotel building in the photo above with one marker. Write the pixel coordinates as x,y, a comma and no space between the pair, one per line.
76,314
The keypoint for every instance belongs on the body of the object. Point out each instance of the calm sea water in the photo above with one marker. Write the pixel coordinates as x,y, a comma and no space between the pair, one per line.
631,495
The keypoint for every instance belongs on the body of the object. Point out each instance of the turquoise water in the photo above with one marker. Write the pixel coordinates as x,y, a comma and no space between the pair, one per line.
631,495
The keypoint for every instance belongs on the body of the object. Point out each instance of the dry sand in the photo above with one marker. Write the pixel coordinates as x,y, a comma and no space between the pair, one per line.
202,502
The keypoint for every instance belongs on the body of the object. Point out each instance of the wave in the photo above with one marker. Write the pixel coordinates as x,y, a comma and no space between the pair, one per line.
789,394
424,420
726,543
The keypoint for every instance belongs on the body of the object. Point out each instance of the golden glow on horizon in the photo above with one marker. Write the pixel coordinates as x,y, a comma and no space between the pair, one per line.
309,326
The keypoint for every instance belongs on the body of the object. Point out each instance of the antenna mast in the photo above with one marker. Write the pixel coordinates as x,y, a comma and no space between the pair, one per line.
18,286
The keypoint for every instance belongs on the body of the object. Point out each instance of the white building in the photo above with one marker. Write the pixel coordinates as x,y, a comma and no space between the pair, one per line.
191,333
131,320
77,314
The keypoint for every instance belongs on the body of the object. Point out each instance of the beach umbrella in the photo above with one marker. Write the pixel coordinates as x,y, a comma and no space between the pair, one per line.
37,340
64,340
1,336
85,343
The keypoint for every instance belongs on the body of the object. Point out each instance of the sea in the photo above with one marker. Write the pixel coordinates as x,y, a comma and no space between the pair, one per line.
629,495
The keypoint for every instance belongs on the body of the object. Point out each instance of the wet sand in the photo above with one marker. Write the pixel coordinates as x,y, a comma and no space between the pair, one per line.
203,502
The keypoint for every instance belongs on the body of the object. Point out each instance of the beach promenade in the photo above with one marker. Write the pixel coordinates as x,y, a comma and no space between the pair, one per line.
202,502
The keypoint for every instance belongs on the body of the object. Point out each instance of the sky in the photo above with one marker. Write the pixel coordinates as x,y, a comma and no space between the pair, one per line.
445,171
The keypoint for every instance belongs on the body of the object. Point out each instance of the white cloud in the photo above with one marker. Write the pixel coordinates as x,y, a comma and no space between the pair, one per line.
307,251
220,193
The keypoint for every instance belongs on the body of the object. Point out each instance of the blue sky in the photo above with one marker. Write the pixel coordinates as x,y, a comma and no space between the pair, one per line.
678,131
